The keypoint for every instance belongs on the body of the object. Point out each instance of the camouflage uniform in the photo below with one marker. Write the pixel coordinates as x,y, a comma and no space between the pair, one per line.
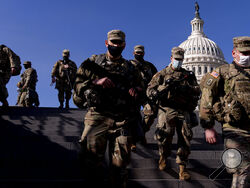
226,98
147,70
65,78
8,60
111,111
177,94
27,92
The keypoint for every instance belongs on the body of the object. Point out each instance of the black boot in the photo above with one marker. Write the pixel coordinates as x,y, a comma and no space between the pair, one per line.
67,104
61,105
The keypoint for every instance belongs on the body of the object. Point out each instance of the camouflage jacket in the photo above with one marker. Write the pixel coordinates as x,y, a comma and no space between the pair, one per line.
177,89
226,97
62,73
117,100
8,60
147,70
28,79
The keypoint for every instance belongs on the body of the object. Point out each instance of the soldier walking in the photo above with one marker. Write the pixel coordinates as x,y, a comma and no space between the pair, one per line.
147,71
176,92
64,74
226,98
27,87
10,65
111,87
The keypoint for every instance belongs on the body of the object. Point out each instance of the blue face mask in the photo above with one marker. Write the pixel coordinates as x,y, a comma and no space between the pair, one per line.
177,64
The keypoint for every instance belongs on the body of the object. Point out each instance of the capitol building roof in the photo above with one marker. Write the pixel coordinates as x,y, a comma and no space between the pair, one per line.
202,55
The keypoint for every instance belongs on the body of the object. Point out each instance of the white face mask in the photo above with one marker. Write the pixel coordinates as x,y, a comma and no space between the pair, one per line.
177,64
244,60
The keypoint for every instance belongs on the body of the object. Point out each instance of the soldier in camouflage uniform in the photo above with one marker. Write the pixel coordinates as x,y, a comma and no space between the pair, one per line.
111,87
147,70
64,74
226,98
9,66
177,93
27,87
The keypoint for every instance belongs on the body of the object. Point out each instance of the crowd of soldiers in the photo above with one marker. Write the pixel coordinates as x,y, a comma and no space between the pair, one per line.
114,89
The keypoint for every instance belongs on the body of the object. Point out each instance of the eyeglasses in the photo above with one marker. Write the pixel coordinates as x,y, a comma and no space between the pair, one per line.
116,41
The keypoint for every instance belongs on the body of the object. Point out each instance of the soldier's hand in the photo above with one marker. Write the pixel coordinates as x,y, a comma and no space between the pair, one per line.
13,71
211,135
104,82
19,85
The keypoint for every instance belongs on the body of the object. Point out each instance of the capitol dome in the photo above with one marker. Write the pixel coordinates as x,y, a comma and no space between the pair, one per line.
202,55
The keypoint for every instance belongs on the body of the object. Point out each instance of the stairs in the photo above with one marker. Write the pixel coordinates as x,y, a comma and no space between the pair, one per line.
39,147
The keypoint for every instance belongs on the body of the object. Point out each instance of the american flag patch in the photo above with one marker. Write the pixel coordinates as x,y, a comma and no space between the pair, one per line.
214,74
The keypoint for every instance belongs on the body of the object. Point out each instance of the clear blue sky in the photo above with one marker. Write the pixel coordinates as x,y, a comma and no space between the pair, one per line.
38,30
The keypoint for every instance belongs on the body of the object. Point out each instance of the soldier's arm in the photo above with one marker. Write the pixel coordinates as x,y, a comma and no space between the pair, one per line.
14,59
29,77
54,72
154,84
84,78
210,88
74,70
153,69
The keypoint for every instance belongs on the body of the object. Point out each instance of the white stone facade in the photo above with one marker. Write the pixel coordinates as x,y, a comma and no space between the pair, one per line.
202,55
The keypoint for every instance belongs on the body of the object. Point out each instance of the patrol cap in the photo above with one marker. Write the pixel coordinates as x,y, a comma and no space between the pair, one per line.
27,63
242,43
177,53
139,48
116,35
65,52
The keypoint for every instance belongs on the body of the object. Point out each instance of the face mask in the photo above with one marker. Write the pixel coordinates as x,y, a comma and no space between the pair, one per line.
139,57
26,66
177,64
244,60
66,58
115,51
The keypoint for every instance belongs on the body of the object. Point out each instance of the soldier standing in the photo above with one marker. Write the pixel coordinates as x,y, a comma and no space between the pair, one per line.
147,71
226,98
177,93
111,87
64,74
27,87
9,66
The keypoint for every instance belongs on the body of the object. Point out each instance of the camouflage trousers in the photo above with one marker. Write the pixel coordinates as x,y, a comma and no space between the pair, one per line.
64,94
150,113
170,120
4,79
64,90
241,175
27,99
100,131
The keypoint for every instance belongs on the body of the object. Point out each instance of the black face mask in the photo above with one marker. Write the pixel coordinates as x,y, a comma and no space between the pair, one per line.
66,58
115,51
27,66
139,57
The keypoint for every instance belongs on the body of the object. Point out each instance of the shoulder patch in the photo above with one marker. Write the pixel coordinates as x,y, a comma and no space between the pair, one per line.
215,74
209,81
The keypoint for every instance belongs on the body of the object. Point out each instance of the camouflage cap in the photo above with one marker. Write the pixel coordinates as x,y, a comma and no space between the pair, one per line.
65,52
139,48
27,63
116,35
242,43
177,53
